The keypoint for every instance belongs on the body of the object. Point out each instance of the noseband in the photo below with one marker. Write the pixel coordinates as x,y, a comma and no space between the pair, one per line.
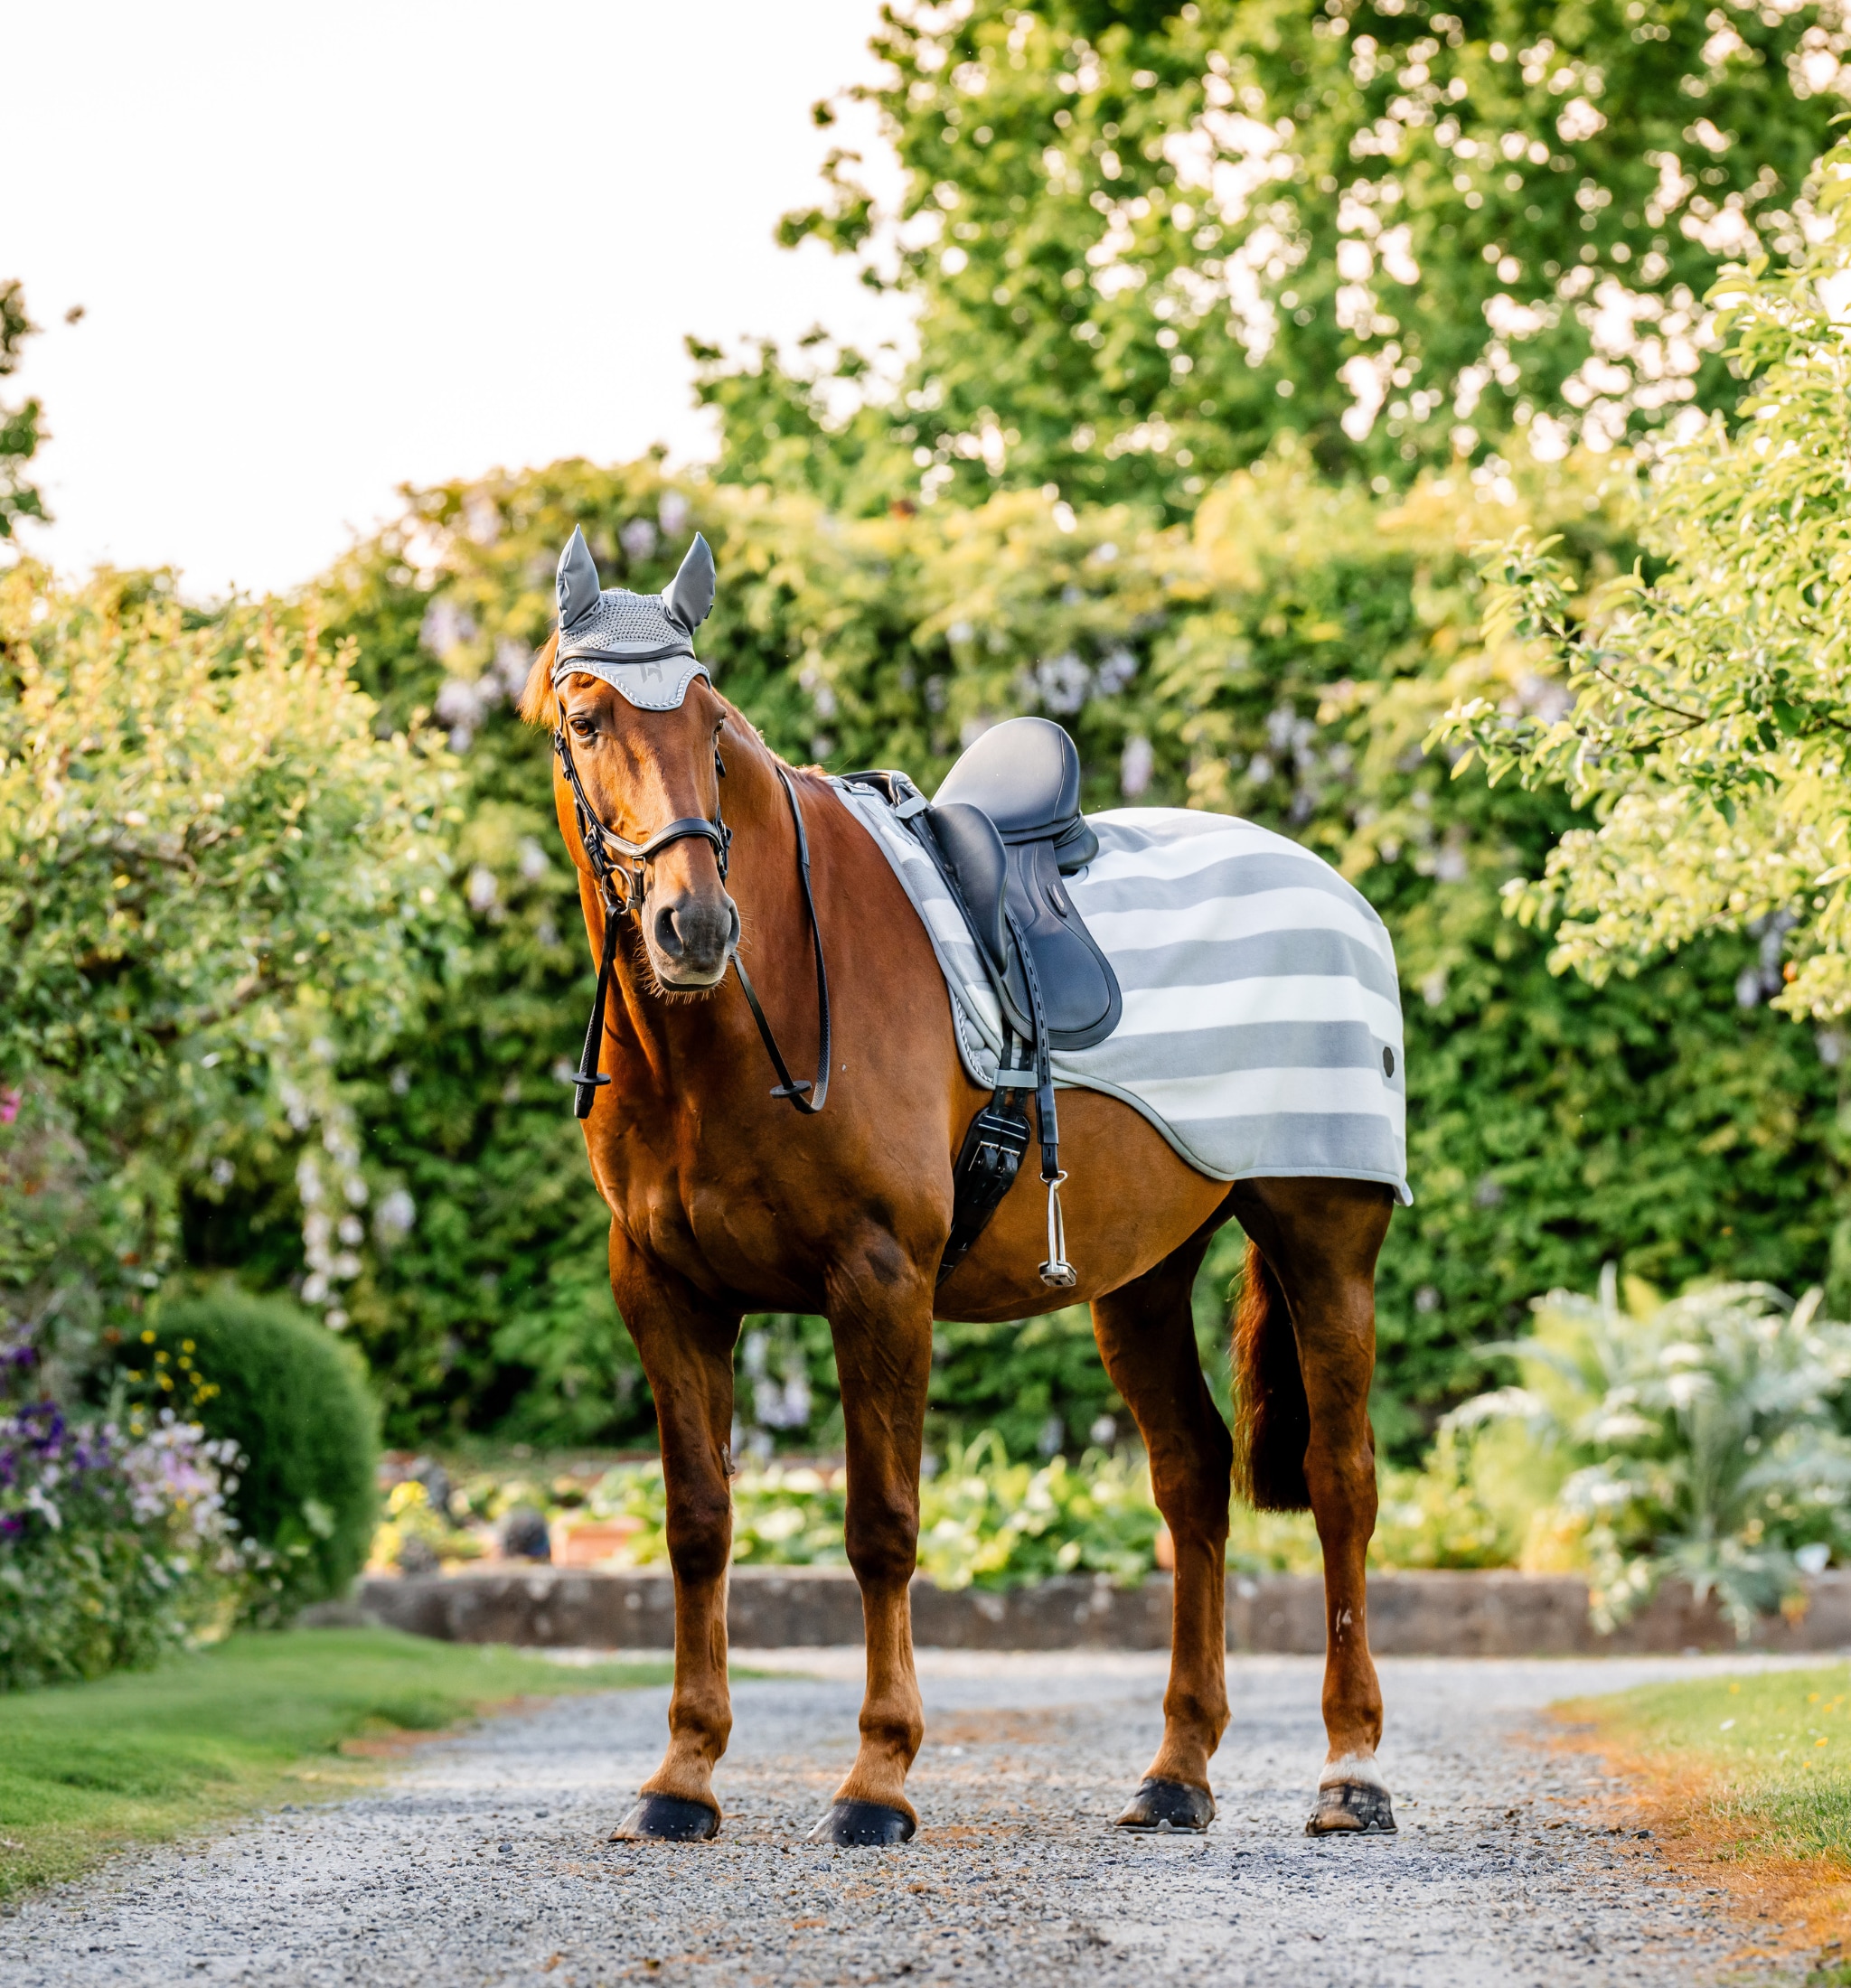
599,841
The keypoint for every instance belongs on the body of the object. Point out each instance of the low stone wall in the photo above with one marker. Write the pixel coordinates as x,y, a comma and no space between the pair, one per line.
1497,1614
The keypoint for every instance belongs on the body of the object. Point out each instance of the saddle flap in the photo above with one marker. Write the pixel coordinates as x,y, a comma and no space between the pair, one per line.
1079,990
974,854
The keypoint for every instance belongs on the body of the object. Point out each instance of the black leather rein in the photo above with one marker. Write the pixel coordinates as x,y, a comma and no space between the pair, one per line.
599,841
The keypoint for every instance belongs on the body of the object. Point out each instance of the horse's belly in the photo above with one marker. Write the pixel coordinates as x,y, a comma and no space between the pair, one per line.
1129,1200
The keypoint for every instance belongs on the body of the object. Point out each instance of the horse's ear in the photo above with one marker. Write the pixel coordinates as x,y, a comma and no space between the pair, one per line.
692,595
579,581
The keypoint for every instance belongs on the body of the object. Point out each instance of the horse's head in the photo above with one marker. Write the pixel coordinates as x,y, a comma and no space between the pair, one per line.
638,724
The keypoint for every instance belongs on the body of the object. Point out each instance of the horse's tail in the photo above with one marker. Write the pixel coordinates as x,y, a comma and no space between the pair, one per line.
1272,1421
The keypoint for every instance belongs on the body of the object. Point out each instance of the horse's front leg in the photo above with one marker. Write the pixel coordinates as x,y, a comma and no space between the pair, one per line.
880,1316
687,1350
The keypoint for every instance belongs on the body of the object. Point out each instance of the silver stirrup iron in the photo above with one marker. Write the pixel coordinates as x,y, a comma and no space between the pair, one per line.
1057,1271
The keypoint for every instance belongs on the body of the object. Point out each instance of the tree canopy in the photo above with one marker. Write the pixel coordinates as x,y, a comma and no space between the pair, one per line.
20,433
1145,241
1707,712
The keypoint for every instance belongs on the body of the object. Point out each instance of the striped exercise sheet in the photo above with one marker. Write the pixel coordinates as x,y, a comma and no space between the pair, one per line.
1261,1026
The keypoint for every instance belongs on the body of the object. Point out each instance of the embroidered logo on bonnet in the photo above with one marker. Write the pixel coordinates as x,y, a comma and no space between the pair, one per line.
640,644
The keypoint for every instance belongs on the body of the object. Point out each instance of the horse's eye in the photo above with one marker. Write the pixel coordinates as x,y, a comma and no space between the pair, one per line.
586,727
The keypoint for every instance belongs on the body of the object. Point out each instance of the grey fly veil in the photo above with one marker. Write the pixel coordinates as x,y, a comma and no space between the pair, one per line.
640,644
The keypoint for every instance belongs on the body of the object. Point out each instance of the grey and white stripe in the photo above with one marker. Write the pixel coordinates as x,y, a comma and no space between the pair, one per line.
1261,1026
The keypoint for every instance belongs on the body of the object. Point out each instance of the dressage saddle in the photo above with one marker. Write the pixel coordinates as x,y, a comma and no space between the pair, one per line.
1008,822
1003,829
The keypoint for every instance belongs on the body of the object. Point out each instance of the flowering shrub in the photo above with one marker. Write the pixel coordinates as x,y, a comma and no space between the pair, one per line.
113,1548
115,1541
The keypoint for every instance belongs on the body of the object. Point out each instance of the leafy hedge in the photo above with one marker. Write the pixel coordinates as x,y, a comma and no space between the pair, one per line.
1282,659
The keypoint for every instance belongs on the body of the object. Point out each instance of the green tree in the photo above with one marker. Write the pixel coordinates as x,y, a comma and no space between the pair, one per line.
20,432
1144,241
1705,706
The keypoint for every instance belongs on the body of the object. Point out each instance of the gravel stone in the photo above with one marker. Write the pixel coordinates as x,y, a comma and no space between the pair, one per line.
485,1858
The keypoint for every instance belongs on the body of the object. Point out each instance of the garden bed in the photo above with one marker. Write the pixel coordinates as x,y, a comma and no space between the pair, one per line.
1440,1614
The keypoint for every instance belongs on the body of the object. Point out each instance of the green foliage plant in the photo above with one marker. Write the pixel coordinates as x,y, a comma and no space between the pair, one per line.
991,1521
1700,1438
293,1400
1144,241
1705,703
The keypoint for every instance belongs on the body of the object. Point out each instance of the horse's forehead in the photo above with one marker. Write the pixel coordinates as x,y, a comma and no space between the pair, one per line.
652,684
651,734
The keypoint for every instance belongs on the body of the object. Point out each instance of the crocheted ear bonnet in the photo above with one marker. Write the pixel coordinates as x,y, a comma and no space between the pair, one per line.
640,644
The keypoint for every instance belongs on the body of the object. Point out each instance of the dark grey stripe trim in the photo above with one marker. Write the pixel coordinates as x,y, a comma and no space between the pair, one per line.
1232,877
1262,956
1237,1046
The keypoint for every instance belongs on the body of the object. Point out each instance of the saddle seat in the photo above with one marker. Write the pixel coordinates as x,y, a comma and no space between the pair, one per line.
1007,821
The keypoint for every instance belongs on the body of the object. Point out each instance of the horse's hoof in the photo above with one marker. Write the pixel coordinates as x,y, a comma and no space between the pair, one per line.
1161,1806
858,1825
667,1819
1351,1808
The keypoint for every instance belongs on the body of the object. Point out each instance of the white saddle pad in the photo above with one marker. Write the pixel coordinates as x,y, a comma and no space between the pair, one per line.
1262,1027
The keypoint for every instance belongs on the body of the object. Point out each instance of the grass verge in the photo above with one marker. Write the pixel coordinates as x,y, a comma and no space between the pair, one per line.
1747,1783
142,1756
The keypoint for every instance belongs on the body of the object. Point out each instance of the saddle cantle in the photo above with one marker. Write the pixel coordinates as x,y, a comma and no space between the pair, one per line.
1007,821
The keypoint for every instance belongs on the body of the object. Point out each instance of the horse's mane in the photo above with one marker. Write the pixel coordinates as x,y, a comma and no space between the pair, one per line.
539,703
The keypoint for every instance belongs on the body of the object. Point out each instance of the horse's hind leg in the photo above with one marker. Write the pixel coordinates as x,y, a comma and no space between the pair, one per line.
1146,1334
880,1316
1309,1441
687,1351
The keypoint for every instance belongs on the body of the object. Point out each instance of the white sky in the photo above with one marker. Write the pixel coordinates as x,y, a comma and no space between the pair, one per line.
324,250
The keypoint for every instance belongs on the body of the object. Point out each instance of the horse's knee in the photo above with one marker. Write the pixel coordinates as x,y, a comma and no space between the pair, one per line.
882,1540
700,1535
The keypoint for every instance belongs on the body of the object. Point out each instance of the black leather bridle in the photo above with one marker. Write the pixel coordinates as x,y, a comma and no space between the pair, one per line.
632,876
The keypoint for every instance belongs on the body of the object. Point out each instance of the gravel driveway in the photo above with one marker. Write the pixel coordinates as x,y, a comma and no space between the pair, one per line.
484,1860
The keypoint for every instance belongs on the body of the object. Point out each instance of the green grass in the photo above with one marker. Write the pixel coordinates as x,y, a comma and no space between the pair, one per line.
1769,1756
145,1755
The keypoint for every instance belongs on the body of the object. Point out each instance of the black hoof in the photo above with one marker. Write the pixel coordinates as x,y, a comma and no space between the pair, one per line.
858,1825
1350,1808
667,1819
1165,1806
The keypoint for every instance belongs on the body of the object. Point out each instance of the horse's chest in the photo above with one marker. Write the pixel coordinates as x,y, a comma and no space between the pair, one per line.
715,1214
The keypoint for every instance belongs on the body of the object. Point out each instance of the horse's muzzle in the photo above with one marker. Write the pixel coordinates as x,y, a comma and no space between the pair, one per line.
690,937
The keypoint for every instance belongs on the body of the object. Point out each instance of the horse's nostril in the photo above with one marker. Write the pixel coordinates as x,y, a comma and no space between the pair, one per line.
667,939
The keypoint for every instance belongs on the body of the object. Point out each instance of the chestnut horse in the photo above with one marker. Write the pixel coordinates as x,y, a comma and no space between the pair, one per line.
725,1201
